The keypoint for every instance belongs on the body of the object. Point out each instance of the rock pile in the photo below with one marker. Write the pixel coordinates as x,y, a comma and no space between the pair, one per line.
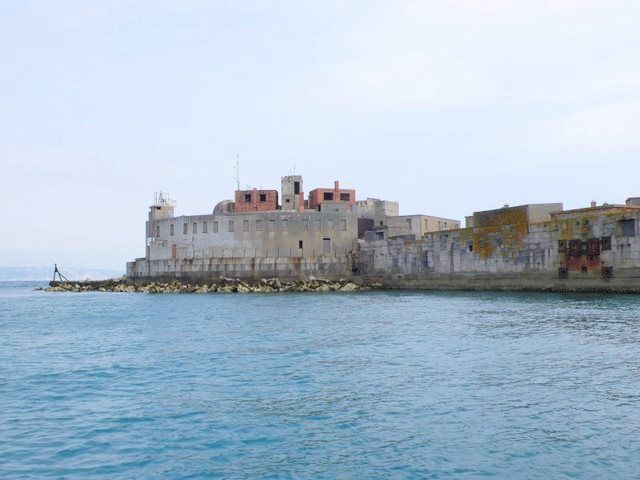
223,285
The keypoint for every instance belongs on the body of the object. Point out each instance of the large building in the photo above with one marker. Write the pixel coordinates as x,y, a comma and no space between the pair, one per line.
256,236
334,235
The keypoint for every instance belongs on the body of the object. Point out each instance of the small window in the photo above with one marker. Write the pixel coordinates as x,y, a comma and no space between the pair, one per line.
379,235
318,224
287,201
215,226
172,229
263,197
326,245
330,225
157,230
328,196
345,197
195,227
296,189
205,227
305,224
300,244
185,228
258,225
231,226
272,224
343,225
247,198
245,225
628,227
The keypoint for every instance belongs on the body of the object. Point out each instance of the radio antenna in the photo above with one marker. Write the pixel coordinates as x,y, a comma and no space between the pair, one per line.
237,171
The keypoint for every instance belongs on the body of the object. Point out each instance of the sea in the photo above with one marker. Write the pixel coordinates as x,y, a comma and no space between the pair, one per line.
365,385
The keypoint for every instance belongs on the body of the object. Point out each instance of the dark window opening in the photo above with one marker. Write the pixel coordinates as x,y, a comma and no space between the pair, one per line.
287,201
299,243
263,197
593,247
296,188
345,197
606,243
247,198
584,269
607,272
562,245
379,235
563,272
628,227
471,248
328,196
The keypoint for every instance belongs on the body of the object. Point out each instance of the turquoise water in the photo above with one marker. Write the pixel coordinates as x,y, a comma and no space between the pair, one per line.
367,385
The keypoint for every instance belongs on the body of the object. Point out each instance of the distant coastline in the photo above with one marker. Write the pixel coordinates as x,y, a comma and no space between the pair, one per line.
40,273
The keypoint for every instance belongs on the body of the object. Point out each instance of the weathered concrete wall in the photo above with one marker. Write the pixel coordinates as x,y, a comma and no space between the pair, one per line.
581,251
251,245
330,267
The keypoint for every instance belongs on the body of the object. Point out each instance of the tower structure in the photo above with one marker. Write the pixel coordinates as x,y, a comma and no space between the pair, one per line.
292,193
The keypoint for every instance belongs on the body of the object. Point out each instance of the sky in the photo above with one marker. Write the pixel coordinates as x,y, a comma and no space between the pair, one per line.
447,107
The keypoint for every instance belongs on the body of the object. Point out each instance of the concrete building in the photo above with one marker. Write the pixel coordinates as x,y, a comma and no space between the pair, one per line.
529,247
254,237
292,193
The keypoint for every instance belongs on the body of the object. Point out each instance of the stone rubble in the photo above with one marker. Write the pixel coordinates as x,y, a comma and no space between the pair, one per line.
223,285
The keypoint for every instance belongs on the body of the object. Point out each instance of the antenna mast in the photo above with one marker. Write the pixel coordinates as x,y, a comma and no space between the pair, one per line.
237,171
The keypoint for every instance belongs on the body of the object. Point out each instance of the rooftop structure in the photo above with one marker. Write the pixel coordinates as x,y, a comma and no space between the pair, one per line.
256,200
336,195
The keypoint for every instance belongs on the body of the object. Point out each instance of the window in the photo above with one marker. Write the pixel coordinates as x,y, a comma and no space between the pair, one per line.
343,225
409,223
231,226
195,227
328,196
305,224
215,226
300,244
258,225
205,228
263,197
272,224
287,201
172,229
185,228
326,245
157,230
247,198
318,224
628,227
245,225
330,225
345,197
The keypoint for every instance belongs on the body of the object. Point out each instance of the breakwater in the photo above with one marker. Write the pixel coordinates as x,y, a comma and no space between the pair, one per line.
222,285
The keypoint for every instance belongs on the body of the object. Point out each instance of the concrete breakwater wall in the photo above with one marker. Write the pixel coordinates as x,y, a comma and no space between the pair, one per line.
199,270
222,285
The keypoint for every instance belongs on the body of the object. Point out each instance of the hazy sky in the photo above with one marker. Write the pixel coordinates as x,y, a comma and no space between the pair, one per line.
446,106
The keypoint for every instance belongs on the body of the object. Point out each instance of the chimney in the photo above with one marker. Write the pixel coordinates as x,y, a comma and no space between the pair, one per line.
336,191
